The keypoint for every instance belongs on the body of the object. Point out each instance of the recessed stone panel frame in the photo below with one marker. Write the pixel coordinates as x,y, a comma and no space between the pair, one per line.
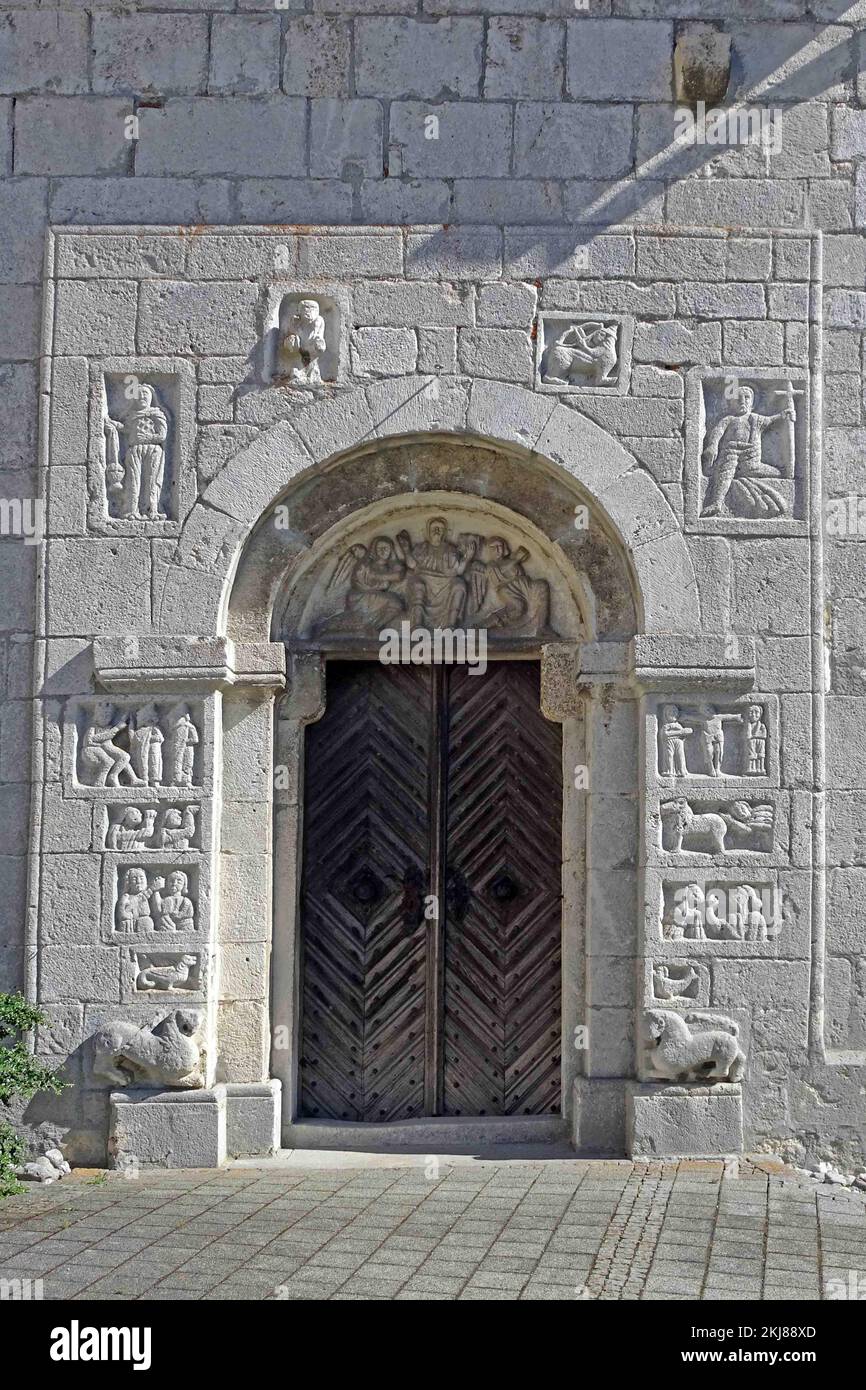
705,798
796,525
625,335
738,785
337,318
221,579
192,863
202,714
179,445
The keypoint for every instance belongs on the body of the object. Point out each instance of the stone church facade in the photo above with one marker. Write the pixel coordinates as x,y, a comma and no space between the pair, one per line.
552,394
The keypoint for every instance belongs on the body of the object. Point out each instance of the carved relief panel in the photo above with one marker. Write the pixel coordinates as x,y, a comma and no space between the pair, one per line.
460,567
579,353
747,442
720,741
140,436
157,899
120,747
306,335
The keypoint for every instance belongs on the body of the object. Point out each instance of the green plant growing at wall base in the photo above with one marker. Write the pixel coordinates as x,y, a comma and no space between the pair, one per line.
21,1076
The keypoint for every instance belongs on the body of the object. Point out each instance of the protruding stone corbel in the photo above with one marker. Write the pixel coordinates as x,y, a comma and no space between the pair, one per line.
571,672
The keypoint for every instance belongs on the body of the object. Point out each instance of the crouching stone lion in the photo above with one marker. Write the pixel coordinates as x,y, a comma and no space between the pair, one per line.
707,1054
163,1053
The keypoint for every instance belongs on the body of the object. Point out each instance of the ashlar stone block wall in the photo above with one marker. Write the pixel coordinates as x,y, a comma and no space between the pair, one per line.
527,156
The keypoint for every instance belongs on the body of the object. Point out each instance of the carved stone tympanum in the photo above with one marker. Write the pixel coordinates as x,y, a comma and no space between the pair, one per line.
436,581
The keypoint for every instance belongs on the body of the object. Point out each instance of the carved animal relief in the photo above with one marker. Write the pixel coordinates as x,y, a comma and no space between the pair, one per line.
680,1053
166,971
680,984
436,581
149,746
709,741
577,354
167,1053
718,827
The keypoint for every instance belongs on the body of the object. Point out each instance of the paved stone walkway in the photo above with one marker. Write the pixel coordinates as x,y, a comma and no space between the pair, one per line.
483,1230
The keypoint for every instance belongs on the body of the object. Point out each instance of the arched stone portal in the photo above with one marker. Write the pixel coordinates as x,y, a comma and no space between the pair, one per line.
578,554
569,552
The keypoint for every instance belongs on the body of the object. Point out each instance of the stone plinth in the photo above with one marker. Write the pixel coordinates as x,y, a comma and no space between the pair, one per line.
687,1121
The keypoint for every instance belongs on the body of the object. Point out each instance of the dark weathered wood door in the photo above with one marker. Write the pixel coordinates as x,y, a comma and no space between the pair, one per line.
431,909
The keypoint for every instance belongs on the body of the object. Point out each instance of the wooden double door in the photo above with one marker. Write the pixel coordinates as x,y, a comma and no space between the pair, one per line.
431,895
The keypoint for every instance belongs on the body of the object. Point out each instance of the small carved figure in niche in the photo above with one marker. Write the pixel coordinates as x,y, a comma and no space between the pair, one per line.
133,830
713,735
583,350
145,740
138,479
756,742
732,460
437,589
182,739
678,1054
133,912
177,829
502,593
675,982
374,574
100,755
174,909
303,343
176,975
673,739
164,1053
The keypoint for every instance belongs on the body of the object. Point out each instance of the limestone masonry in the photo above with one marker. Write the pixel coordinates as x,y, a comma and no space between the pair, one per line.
325,326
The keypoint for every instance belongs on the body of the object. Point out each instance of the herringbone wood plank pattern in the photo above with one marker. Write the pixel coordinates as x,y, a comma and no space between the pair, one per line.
366,836
503,959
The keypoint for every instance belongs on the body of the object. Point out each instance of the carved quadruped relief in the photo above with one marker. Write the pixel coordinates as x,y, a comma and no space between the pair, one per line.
679,984
747,438
709,826
166,971
306,330
461,567
718,741
165,1053
152,827
141,420
123,745
155,899
693,1047
580,353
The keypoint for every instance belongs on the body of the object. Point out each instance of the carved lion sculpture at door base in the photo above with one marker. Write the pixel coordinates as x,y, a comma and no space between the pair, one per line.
162,1053
678,1054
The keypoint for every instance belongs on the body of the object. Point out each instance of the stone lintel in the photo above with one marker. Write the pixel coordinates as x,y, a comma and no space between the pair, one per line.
190,664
